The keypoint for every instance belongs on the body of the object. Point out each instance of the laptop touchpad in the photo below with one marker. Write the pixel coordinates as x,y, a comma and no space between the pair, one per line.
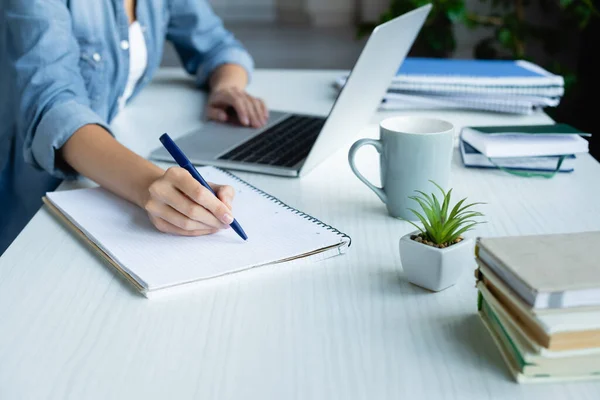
214,139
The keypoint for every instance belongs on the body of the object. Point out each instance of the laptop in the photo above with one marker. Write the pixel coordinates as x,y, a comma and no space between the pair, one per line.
293,144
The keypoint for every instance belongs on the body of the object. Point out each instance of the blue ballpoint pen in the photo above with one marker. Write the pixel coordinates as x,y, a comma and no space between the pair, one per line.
184,163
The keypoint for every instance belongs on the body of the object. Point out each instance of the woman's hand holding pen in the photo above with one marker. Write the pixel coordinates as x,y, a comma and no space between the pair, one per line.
179,204
176,203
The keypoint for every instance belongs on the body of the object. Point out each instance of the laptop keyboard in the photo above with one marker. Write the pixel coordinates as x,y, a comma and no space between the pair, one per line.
282,145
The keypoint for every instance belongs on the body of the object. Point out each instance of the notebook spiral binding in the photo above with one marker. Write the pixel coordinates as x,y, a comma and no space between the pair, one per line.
284,205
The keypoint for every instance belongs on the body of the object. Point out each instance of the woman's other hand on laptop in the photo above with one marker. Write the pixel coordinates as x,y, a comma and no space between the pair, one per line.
237,106
229,102
178,204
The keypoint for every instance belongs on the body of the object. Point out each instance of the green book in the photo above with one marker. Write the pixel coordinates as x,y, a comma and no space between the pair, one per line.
555,129
554,369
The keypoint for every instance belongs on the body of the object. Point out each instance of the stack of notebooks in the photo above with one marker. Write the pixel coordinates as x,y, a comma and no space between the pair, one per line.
545,148
517,87
156,263
539,298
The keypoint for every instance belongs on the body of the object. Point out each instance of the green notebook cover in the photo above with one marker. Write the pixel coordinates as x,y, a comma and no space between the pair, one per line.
484,307
556,129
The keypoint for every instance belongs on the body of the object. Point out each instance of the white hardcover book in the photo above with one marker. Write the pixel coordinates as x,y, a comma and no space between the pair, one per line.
547,271
473,158
522,144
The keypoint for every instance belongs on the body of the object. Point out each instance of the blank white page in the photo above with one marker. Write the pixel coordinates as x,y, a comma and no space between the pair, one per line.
157,260
570,322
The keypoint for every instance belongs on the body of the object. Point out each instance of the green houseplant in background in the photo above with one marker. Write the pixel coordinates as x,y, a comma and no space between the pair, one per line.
436,254
512,34
437,36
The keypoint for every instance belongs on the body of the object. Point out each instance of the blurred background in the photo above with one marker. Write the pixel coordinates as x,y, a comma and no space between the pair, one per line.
562,36
322,33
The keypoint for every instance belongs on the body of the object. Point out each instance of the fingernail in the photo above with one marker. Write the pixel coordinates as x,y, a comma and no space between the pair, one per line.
227,219
245,121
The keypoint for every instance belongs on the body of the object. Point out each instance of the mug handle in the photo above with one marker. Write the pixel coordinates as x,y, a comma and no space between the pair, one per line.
379,147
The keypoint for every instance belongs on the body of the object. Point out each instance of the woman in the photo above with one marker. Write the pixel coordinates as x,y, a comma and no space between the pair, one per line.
68,67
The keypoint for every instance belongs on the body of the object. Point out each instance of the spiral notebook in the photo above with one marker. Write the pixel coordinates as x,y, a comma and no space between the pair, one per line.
504,104
154,261
499,77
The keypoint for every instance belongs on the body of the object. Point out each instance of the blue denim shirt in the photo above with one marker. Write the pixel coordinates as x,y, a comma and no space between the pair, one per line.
65,64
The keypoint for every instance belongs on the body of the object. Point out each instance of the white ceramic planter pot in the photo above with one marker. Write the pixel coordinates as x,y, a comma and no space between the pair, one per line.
432,268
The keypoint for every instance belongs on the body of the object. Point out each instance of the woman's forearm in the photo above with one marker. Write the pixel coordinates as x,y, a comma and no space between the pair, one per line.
176,203
94,153
228,76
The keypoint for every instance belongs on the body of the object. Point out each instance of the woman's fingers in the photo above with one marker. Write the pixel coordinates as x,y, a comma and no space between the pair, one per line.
225,193
183,181
180,220
250,110
240,105
180,205
264,109
258,119
216,114
186,213
167,227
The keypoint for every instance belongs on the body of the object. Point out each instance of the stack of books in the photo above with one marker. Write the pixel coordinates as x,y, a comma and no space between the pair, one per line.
518,87
547,148
539,298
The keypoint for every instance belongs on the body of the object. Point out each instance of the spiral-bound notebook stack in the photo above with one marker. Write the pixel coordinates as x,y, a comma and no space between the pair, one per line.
153,262
517,87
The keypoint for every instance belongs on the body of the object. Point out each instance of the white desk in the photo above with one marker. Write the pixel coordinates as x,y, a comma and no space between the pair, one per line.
347,328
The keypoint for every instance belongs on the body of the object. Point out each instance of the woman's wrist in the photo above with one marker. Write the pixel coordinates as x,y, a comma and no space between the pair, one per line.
150,174
94,153
228,76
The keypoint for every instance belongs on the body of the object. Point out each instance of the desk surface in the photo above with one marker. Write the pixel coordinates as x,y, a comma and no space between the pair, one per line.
346,328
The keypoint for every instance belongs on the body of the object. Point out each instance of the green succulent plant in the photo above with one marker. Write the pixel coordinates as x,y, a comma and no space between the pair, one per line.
443,225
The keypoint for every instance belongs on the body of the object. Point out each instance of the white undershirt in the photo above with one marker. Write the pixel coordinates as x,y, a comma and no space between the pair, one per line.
138,60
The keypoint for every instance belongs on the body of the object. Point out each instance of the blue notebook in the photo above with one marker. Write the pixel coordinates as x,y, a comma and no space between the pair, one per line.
516,73
473,77
470,68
